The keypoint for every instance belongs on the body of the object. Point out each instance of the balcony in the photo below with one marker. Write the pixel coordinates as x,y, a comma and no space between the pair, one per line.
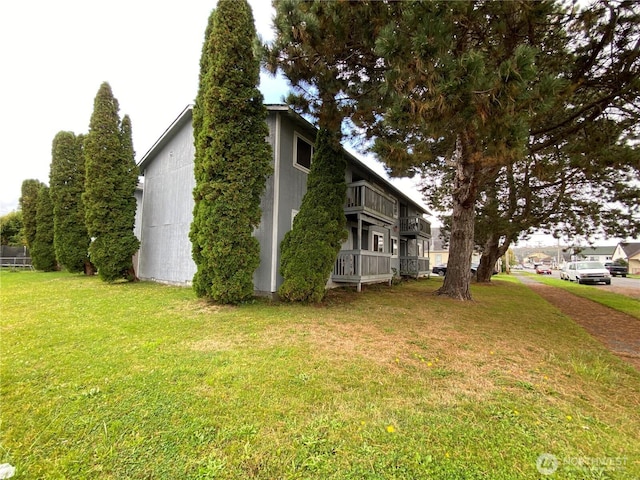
361,266
414,266
414,226
361,197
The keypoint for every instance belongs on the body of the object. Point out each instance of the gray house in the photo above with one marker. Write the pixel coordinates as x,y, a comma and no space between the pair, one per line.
388,233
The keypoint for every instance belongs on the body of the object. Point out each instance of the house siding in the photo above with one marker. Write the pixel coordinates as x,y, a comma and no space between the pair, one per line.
293,181
165,205
167,211
264,231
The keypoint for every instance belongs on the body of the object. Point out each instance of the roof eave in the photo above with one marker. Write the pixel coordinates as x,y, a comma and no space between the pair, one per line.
180,120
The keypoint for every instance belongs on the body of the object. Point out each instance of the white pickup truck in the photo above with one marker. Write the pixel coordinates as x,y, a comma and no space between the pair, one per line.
585,272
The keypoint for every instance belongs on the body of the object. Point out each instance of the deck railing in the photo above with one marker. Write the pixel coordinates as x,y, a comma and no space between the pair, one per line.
359,263
414,266
361,196
414,226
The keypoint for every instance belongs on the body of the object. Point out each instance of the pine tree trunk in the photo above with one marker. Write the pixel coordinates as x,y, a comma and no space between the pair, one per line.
458,277
490,255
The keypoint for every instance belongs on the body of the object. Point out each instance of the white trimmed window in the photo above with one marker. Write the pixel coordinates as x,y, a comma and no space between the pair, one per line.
302,152
394,246
378,242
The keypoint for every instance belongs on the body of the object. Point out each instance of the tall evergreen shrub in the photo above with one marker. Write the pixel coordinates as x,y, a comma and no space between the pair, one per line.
66,180
43,254
232,158
309,249
29,207
12,229
111,179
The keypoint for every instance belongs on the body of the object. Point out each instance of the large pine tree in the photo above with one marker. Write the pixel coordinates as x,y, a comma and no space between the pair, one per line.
43,254
111,179
29,207
66,179
232,159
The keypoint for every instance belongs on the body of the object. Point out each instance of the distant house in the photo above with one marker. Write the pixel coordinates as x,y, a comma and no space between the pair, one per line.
630,252
387,231
539,258
439,250
439,253
594,254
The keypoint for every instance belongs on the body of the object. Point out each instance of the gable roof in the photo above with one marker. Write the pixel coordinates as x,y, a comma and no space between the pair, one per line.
185,117
595,250
630,249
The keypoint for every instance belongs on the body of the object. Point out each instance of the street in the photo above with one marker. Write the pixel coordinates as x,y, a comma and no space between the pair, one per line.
625,286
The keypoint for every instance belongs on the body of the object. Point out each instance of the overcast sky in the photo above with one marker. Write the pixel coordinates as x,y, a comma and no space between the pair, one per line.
55,54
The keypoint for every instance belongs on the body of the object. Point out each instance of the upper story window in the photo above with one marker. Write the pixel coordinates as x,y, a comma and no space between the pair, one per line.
302,153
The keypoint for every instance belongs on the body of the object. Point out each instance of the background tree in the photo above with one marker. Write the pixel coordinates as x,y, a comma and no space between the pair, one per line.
463,86
111,179
11,229
312,61
323,48
579,172
29,208
66,180
43,254
232,159
309,249
438,85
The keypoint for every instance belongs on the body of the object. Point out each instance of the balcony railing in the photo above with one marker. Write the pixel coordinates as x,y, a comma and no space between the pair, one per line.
359,266
414,226
362,197
414,266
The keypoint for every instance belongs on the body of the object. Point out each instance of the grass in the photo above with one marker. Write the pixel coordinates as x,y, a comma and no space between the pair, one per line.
144,381
622,303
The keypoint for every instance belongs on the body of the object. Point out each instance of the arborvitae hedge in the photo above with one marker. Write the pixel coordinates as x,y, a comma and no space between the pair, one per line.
43,254
29,207
232,158
310,248
111,179
66,180
11,229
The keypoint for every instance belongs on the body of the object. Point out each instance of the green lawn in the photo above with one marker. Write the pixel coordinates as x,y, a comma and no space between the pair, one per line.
144,381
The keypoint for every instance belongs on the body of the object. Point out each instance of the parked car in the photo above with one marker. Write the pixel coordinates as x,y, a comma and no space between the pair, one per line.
616,269
586,272
543,270
442,269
